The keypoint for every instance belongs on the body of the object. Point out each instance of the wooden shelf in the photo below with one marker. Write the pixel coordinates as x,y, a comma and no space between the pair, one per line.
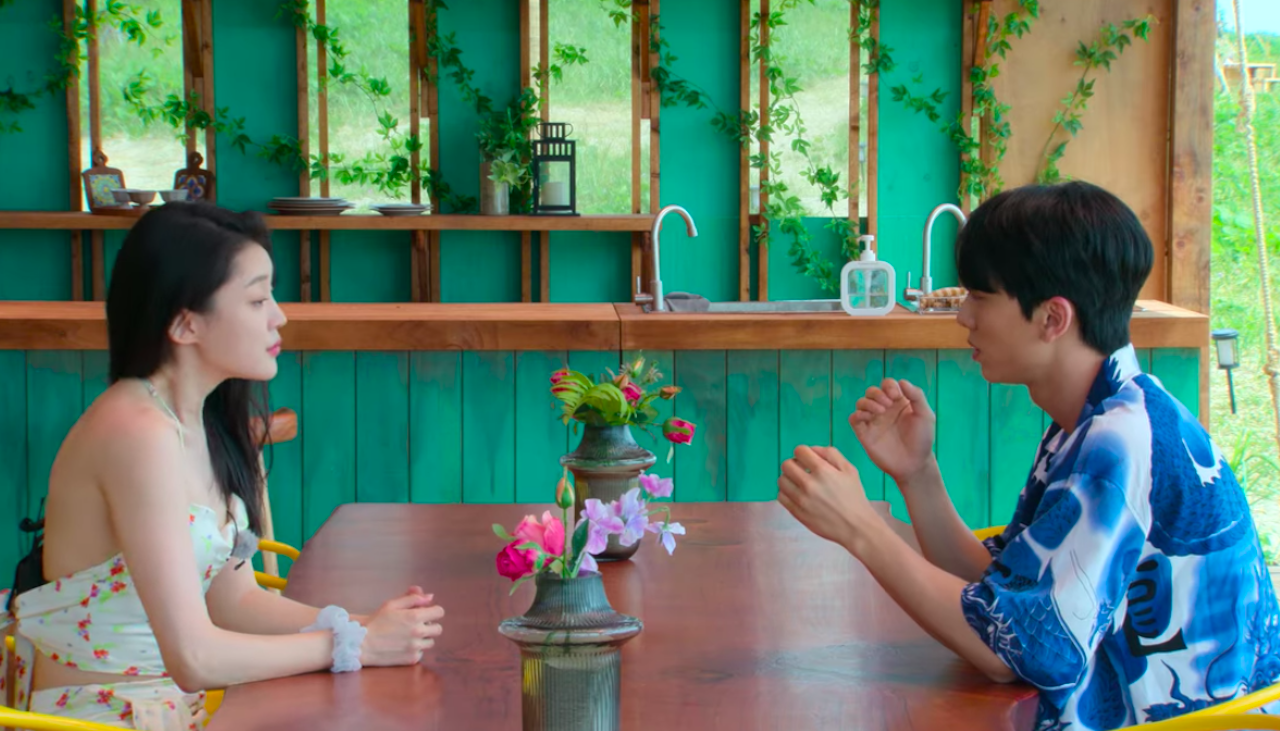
77,221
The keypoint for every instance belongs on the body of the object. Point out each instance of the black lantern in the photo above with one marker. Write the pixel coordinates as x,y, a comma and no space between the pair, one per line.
1228,357
555,170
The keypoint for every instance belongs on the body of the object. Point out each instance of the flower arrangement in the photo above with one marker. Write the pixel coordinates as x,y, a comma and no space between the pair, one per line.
626,399
538,547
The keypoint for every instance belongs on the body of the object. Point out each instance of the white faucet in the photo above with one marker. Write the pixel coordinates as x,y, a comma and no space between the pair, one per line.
658,304
926,281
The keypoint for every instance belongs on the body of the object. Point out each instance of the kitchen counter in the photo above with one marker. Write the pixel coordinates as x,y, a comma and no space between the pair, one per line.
525,327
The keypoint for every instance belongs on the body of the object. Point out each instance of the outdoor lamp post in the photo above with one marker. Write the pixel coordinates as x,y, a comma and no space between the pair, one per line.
1228,357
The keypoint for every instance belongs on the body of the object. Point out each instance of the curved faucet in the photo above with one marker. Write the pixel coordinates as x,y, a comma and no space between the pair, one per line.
926,281
658,304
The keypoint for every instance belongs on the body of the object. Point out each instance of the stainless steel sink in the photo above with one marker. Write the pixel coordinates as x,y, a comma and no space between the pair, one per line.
772,307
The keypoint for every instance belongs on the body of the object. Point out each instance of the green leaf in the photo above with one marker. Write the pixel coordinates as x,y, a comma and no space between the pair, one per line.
502,533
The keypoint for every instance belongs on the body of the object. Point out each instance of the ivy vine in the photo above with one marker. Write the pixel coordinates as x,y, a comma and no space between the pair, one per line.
1111,42
979,178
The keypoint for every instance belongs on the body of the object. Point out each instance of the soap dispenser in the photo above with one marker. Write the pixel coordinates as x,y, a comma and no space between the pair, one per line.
867,285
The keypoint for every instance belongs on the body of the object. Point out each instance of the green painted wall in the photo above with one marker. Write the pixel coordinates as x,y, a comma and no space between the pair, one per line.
449,427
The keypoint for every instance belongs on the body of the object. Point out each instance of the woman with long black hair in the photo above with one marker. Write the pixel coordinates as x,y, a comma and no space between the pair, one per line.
155,485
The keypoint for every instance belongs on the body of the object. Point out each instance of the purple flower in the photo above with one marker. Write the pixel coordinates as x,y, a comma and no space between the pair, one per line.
657,486
603,521
631,511
588,564
667,533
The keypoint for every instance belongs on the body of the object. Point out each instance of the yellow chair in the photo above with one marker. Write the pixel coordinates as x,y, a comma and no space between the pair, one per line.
1225,722
10,718
983,534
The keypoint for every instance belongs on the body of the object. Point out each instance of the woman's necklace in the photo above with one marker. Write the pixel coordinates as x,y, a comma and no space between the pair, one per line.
151,388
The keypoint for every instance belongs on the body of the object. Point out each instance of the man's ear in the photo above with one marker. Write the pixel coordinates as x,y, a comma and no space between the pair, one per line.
1055,317
185,328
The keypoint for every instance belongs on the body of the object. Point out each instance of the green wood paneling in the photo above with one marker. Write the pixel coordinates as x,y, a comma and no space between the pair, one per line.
707,265
369,266
804,400
54,383
14,433
1179,370
681,406
920,367
964,425
1017,426
453,427
590,267
382,427
480,266
788,283
753,424
488,427
541,438
1144,359
852,373
284,461
96,364
925,36
435,427
700,469
328,434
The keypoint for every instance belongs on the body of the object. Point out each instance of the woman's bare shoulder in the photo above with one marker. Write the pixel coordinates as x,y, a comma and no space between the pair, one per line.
117,430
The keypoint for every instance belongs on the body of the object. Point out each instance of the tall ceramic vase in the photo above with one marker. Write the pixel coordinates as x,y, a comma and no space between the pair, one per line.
570,659
606,464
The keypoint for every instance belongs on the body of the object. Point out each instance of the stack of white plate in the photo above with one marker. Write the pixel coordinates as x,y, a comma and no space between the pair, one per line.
402,209
309,206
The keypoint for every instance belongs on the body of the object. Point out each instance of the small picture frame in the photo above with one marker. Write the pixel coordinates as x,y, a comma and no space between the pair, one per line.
99,182
197,181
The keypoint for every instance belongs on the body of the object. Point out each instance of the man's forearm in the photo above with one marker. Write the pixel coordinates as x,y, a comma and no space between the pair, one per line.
930,595
944,538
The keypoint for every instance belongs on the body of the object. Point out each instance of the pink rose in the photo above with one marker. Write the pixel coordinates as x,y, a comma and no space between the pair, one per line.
553,534
530,531
632,392
513,563
678,431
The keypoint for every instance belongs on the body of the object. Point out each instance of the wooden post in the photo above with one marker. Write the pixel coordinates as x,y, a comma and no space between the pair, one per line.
190,62
1190,160
417,37
304,148
431,91
762,246
206,96
855,118
873,134
744,154
74,189
968,60
544,58
322,109
655,146
97,262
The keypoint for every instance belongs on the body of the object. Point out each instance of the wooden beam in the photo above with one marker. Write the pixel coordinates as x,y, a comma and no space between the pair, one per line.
421,275
99,267
544,57
544,263
968,59
75,190
655,146
526,266
762,240
207,97
873,134
1191,156
744,154
433,263
855,114
417,54
95,86
624,223
325,281
191,62
304,265
638,61
322,105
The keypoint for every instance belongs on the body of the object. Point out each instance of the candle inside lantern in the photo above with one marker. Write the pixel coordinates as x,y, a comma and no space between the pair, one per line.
555,193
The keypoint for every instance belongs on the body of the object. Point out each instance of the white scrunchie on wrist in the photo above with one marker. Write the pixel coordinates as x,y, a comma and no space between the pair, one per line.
348,635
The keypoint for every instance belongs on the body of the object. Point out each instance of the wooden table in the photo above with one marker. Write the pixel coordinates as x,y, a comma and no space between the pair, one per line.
754,623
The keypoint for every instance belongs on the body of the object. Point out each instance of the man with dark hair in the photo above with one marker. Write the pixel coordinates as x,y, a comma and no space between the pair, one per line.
1129,585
